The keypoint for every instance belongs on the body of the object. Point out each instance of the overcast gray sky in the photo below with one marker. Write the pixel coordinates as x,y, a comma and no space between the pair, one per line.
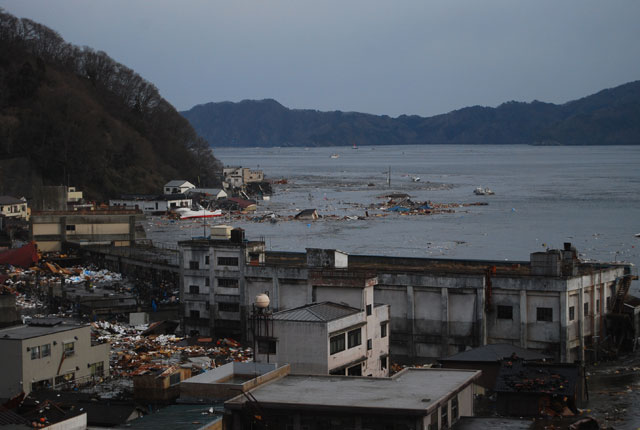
382,57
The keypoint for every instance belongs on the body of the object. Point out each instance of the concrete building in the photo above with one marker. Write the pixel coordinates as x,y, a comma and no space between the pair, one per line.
420,399
13,207
152,204
115,227
327,338
178,186
554,303
48,353
237,177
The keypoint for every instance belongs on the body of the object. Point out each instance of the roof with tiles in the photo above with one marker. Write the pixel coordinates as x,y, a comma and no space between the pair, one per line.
316,312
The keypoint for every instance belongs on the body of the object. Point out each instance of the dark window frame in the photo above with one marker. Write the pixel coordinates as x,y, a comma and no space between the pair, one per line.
544,314
228,261
572,313
383,329
354,338
228,307
337,343
504,312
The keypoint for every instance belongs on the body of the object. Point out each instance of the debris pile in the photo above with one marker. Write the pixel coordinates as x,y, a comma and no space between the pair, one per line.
130,350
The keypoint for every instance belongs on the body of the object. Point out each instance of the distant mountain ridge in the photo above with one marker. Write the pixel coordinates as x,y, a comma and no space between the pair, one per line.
609,117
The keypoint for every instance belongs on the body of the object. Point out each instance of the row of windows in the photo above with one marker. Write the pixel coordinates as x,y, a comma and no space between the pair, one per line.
222,261
42,351
544,314
222,282
444,415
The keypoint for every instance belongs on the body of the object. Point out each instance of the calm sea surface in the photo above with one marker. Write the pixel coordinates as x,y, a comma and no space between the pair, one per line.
544,196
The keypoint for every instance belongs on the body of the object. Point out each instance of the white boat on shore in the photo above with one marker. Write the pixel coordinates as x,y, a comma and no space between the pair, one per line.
189,213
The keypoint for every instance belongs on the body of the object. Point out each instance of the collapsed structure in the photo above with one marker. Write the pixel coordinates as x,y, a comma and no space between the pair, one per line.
553,303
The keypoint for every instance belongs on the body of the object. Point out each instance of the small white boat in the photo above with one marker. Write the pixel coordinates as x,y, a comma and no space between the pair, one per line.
335,155
479,191
188,213
415,178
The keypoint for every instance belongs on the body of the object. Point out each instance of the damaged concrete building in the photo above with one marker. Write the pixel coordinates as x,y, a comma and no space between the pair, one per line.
554,303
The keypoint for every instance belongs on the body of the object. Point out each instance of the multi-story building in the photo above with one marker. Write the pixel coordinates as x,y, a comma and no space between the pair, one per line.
13,207
553,303
237,177
47,353
326,338
420,399
112,227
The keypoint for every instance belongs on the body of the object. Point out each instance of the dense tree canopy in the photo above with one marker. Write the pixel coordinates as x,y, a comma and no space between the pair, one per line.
72,115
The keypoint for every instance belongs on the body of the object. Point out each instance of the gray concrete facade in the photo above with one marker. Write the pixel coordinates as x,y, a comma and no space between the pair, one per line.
438,307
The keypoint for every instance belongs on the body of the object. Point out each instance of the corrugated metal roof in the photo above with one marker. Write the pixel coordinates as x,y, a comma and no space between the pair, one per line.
9,200
319,312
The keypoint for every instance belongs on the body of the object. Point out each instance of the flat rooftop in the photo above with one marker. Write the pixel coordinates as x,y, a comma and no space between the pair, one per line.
29,331
411,391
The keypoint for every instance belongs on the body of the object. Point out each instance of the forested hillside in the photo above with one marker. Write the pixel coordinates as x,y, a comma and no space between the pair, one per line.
72,115
610,117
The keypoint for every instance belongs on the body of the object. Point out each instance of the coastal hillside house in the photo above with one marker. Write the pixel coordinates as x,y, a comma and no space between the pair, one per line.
178,186
152,204
242,204
47,353
51,229
326,338
554,303
238,177
13,207
209,193
73,195
420,399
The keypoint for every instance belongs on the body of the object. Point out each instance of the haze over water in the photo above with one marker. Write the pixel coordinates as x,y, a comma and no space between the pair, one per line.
544,196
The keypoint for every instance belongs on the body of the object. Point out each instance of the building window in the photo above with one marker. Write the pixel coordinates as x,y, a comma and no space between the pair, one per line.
336,344
45,350
35,352
227,283
383,363
433,425
586,309
572,313
207,282
383,329
206,260
71,227
69,348
368,309
505,312
608,303
194,314
194,265
338,372
194,289
454,408
229,307
266,346
544,314
369,344
355,370
597,310
444,415
174,379
97,369
355,337
227,261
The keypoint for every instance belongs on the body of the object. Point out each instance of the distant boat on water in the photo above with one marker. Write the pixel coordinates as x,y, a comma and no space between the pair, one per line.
479,191
335,155
354,146
198,212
